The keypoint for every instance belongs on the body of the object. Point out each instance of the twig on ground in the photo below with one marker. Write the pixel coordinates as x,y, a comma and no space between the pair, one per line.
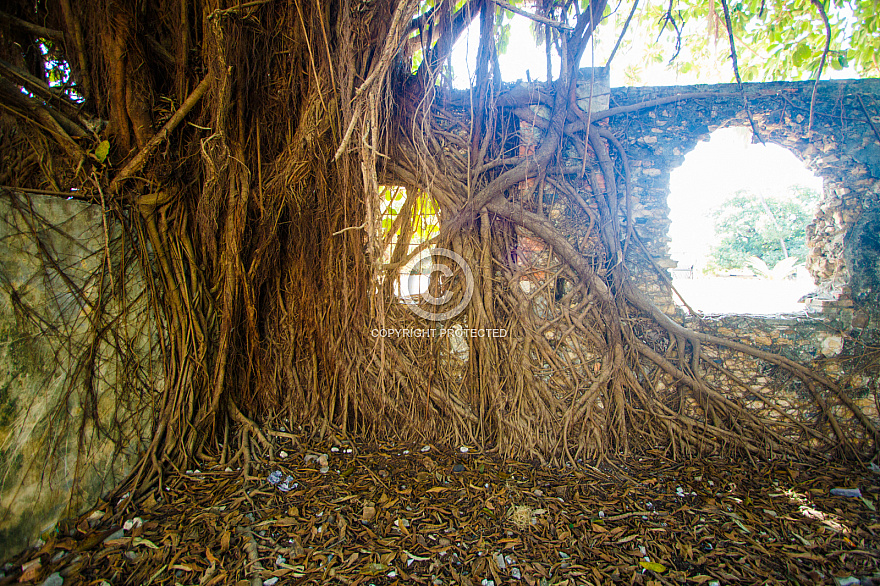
250,547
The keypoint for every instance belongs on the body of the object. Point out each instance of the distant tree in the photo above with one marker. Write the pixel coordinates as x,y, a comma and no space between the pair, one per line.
770,229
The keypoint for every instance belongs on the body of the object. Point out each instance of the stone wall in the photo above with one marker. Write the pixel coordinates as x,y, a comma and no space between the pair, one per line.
842,148
840,322
78,362
822,341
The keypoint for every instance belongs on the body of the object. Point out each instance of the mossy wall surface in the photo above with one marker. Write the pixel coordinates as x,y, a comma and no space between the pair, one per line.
77,362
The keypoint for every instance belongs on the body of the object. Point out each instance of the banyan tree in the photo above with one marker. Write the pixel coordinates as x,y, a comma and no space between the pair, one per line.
248,154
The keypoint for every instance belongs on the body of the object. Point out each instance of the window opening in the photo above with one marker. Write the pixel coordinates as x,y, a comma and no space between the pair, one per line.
410,222
738,215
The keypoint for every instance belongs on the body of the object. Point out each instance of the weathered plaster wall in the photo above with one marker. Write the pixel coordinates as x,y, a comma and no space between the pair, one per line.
77,362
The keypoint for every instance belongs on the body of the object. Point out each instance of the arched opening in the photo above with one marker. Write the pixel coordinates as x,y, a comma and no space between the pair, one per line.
738,214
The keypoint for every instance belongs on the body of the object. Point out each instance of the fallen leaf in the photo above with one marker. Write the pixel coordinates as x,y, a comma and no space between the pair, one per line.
653,566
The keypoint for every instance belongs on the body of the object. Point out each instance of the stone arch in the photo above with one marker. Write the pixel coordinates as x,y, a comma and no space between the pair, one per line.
727,166
841,148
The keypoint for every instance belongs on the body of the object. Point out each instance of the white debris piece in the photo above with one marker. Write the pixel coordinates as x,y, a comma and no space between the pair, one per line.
499,561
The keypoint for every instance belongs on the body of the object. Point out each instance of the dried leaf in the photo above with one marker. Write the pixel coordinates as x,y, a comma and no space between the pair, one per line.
653,566
328,530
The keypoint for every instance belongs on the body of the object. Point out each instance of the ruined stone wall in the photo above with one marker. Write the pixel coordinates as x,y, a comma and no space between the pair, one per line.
78,361
821,341
837,331
843,148
839,325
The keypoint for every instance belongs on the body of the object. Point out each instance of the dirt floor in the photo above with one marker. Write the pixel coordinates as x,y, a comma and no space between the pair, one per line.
397,515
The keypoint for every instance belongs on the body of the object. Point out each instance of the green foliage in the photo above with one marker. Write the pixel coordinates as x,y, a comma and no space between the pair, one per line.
102,150
776,39
425,223
502,36
392,198
749,227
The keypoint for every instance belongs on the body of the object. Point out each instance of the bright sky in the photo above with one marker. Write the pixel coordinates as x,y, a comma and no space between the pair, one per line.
522,55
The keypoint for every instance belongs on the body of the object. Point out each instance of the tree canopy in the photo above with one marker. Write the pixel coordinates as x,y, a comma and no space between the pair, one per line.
775,40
